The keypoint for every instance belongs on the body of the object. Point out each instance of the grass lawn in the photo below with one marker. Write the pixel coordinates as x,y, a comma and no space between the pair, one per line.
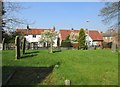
82,67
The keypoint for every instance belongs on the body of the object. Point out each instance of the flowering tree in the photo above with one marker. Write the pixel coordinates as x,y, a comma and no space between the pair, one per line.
49,36
74,36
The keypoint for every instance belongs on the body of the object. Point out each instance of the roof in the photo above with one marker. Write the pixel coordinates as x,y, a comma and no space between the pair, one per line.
110,33
64,33
95,35
31,31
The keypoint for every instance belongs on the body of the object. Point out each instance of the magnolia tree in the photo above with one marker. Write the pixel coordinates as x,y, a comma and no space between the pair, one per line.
74,36
49,36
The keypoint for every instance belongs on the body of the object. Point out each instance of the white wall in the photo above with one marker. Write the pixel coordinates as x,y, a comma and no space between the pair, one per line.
89,40
30,39
55,43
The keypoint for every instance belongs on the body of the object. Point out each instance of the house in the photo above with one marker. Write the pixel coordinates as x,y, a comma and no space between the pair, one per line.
34,35
63,33
93,37
109,35
112,36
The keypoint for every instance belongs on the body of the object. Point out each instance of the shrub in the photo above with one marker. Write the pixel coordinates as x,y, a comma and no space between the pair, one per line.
66,44
107,45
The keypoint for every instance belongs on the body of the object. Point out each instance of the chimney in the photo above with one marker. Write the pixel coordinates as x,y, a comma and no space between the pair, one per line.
54,28
86,30
101,33
28,27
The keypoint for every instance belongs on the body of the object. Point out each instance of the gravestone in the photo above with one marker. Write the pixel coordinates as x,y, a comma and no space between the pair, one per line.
17,47
67,82
3,44
24,45
113,46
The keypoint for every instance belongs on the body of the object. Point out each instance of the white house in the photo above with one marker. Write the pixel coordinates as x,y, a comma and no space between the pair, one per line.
34,36
94,38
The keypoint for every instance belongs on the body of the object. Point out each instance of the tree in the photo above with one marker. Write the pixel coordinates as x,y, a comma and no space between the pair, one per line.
73,37
81,39
49,36
66,42
10,18
10,37
110,13
67,38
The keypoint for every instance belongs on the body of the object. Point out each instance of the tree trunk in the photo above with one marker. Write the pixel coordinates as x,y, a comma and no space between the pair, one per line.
51,47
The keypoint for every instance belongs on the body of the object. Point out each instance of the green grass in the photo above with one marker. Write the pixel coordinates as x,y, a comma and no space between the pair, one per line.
82,67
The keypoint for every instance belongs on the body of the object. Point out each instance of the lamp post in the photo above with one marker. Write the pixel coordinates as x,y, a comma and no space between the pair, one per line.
88,42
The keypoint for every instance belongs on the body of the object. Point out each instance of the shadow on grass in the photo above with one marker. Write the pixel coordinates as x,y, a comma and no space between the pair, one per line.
32,52
24,75
28,56
56,50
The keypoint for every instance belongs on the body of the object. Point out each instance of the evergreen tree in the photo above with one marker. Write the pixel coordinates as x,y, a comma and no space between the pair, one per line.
81,39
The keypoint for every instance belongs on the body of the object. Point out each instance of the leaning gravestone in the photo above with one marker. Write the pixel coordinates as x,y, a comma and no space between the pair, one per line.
24,43
17,47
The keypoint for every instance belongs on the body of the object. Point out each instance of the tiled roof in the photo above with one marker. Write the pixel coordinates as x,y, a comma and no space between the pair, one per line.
64,33
95,35
31,31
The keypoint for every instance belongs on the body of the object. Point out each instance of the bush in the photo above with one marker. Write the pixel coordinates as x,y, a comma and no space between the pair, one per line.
66,44
107,45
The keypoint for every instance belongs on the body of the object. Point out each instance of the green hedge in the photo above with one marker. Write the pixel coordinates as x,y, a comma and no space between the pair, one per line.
66,44
107,45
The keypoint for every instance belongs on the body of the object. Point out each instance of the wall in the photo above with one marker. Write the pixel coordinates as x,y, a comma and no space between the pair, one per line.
89,40
30,39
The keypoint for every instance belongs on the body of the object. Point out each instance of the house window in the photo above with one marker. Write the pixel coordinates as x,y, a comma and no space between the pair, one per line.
105,37
34,36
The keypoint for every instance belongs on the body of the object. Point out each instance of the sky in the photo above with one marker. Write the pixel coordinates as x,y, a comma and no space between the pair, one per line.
63,15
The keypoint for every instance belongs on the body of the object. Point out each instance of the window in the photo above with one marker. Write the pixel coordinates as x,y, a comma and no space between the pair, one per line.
34,36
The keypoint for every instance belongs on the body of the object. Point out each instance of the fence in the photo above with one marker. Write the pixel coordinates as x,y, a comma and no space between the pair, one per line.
33,46
11,46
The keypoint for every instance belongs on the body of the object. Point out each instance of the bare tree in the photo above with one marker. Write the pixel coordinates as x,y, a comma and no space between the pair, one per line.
110,13
10,18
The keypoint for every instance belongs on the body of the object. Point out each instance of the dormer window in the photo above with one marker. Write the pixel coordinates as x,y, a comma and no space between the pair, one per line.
34,36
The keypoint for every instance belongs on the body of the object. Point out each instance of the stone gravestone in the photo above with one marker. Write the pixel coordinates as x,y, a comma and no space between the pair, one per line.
3,44
24,45
113,46
17,47
67,82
